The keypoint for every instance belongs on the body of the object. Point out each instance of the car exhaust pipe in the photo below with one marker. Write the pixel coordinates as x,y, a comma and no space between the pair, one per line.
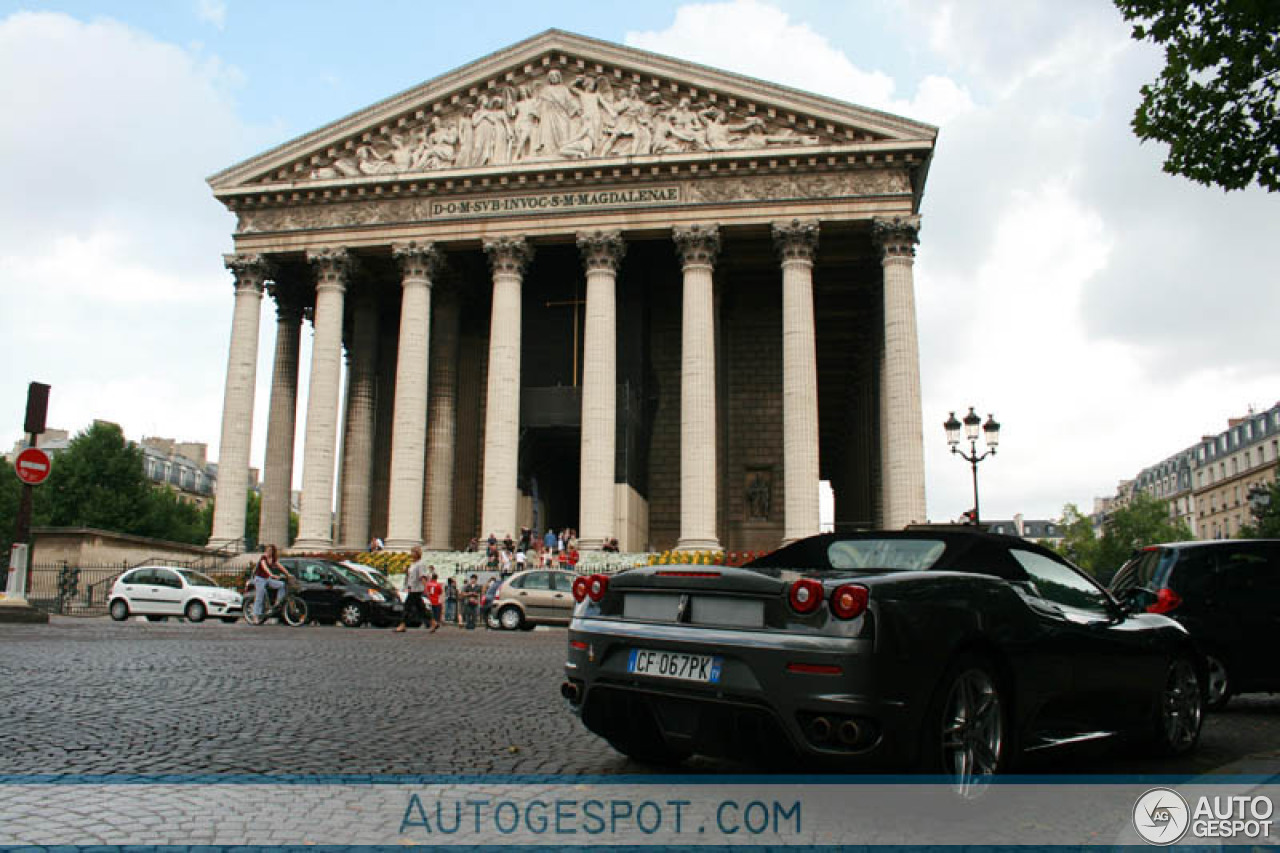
571,691
821,729
849,733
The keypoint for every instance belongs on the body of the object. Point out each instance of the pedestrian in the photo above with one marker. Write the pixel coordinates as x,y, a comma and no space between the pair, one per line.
505,562
470,601
549,541
434,592
520,561
489,599
451,601
415,585
376,544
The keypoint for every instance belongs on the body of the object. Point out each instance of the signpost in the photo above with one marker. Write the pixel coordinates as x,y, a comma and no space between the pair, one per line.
33,467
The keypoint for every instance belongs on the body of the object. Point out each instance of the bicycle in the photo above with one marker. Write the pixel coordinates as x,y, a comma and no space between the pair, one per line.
290,607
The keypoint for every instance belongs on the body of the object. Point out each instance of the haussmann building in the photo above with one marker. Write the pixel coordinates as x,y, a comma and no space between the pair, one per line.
581,285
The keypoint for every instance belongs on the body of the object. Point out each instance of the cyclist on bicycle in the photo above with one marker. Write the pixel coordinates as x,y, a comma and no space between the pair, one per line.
268,575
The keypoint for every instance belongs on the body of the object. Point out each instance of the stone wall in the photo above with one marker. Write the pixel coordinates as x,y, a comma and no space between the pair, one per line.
81,546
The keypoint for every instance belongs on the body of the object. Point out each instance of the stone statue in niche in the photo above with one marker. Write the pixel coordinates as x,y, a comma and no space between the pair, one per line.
548,120
759,495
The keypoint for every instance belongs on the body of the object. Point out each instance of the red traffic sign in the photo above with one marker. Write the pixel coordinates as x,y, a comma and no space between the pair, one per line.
33,466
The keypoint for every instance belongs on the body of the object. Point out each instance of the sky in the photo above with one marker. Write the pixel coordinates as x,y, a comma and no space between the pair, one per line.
1106,313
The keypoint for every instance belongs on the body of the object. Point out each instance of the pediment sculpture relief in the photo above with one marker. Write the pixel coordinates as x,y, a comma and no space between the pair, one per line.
554,119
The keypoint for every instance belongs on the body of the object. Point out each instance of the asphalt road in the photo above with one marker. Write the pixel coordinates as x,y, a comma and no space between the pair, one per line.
93,696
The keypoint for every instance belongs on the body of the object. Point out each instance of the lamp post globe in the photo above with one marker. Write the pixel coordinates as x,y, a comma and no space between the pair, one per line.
972,426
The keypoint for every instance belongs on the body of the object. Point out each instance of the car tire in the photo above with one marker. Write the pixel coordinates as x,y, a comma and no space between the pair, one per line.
510,618
1179,712
195,611
119,610
351,614
1218,687
966,734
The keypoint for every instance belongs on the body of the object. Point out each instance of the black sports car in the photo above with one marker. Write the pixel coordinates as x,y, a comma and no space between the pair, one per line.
948,650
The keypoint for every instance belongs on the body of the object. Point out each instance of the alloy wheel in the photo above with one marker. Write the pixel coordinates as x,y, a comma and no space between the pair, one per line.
1182,706
972,729
1218,688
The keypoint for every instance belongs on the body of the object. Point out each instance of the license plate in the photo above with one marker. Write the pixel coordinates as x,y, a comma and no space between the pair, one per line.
705,668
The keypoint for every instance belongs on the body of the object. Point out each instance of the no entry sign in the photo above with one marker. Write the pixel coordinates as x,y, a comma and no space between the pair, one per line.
33,466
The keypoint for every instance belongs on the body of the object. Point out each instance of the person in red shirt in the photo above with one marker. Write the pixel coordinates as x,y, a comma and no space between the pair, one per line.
434,592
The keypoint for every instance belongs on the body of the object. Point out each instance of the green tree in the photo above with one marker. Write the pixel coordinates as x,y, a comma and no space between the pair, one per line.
1268,527
1078,545
1144,521
1216,103
98,481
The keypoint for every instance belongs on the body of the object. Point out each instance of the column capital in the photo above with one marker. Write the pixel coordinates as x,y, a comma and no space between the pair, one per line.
510,255
418,261
601,250
287,293
896,236
332,266
796,240
698,244
249,269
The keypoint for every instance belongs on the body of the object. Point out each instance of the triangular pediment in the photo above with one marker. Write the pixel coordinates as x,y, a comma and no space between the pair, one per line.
562,99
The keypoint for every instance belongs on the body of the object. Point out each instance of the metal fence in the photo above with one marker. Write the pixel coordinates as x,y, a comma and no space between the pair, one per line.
82,589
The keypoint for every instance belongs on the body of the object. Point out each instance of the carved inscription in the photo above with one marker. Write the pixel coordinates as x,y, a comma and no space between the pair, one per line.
553,202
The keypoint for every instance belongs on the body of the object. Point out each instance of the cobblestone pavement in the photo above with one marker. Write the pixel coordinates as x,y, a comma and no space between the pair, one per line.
93,696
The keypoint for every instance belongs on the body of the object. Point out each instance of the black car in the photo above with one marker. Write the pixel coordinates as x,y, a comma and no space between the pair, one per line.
948,650
335,593
1227,595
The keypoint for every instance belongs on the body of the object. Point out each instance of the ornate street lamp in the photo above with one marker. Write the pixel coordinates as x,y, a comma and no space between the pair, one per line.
990,434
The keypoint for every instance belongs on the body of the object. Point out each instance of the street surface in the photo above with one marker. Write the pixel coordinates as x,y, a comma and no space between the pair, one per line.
96,697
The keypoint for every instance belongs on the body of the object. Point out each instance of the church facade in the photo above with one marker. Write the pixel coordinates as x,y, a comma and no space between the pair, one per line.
580,285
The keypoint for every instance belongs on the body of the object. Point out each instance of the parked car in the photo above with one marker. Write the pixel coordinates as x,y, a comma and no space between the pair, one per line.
375,576
1227,595
162,591
949,650
534,597
335,593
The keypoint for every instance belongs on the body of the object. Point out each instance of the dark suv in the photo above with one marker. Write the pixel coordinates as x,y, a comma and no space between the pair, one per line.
1227,595
335,593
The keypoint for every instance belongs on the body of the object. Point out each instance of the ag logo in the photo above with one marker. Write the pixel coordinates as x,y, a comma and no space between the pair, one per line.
1161,816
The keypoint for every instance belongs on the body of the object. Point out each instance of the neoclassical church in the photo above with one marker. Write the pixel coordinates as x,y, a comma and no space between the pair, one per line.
580,285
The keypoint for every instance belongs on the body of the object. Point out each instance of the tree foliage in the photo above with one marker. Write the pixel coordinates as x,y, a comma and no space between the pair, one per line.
99,482
1144,521
1216,103
1268,527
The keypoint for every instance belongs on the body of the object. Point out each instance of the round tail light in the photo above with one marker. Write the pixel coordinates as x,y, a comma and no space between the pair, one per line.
805,595
849,601
580,584
597,586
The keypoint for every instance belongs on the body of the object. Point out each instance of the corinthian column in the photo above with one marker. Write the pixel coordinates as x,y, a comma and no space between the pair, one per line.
601,254
277,472
332,267
250,272
442,407
508,257
409,423
698,246
796,242
357,444
901,433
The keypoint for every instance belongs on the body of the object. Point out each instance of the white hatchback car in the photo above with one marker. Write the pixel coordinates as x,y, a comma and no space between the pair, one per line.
158,591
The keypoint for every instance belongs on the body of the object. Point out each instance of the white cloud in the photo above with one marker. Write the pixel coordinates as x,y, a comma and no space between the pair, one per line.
751,37
1104,311
111,281
213,12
